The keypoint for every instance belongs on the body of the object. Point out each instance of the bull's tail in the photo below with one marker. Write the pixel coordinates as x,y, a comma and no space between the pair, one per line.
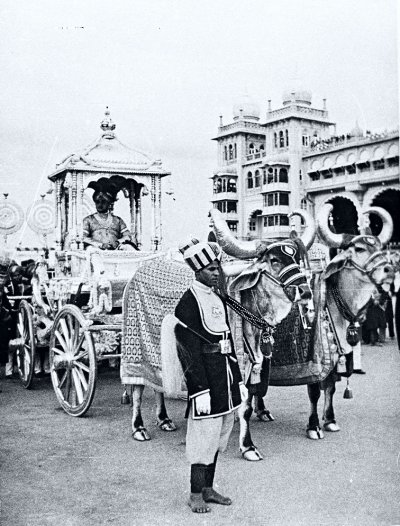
172,374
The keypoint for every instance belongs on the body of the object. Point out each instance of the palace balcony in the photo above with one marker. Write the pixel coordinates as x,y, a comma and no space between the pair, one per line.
224,196
230,216
275,209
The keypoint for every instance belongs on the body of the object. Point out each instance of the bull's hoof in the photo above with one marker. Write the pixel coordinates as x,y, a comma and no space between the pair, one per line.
315,434
140,434
332,427
265,416
251,454
166,425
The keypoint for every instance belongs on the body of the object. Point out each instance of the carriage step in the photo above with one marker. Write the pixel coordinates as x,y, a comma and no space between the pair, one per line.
105,328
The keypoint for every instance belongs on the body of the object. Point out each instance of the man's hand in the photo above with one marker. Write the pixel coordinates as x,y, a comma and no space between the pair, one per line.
244,393
203,404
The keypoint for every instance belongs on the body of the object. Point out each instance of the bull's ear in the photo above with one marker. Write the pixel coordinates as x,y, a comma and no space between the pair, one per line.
336,264
248,278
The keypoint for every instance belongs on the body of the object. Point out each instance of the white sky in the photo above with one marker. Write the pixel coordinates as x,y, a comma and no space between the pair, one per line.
168,68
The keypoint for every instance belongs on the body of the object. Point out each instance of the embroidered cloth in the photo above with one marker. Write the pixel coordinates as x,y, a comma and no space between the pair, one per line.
151,294
299,357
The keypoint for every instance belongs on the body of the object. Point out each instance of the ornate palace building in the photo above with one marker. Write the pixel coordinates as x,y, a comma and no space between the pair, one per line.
294,159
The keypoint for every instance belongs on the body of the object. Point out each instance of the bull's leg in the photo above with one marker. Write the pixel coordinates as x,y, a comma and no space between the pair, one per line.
139,432
252,338
313,430
163,420
262,413
247,448
329,386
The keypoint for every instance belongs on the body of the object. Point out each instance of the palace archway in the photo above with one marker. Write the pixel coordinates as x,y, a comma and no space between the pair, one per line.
389,200
345,215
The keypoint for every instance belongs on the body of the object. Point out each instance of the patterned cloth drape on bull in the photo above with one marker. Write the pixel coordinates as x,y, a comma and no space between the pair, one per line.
152,293
299,357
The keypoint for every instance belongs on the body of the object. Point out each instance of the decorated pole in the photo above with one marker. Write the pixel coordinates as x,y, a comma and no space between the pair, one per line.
11,217
41,218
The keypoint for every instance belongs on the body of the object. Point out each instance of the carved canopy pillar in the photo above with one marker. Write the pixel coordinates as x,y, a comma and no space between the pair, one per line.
138,217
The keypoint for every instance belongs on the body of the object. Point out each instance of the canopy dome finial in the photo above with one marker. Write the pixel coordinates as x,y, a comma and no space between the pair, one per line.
107,124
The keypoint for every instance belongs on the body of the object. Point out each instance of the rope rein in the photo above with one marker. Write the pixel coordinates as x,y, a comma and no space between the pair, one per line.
244,313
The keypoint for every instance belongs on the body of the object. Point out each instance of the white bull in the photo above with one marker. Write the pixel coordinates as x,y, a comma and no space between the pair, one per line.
348,282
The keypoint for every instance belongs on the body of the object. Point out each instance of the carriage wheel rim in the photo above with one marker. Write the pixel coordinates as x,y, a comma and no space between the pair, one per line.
72,361
26,353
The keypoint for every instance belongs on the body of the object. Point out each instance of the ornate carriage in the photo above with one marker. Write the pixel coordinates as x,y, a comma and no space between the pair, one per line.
76,307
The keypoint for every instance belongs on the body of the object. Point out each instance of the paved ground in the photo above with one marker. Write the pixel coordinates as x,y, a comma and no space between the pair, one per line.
64,471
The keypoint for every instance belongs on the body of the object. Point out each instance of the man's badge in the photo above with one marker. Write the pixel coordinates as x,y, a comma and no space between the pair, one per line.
216,312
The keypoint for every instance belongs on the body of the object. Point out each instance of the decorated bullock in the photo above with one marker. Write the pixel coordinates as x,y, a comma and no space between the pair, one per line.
318,354
155,289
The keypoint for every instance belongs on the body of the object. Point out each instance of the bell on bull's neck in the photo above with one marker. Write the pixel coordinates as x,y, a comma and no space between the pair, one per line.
125,398
348,392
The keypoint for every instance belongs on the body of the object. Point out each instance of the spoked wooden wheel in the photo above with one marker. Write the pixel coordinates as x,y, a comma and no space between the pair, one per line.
73,361
26,350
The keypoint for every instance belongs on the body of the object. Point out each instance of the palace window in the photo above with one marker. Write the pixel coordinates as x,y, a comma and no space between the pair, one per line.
276,220
225,153
351,169
314,176
379,165
339,171
257,178
283,175
230,152
231,187
276,199
218,186
232,226
231,207
249,180
364,167
287,137
303,204
281,140
306,140
252,224
251,148
393,161
275,140
235,151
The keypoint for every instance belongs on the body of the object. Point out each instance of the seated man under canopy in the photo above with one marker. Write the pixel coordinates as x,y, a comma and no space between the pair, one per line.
103,229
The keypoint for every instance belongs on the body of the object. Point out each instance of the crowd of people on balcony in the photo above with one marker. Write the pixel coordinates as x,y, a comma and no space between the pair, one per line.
322,144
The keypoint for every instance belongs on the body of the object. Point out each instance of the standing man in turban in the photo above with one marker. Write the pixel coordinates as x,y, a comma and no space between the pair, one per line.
213,379
103,229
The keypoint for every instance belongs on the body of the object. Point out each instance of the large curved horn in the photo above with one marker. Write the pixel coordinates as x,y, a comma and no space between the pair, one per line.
228,242
310,230
387,222
326,234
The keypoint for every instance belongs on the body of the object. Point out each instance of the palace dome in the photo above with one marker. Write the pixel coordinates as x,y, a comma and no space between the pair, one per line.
247,108
300,96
